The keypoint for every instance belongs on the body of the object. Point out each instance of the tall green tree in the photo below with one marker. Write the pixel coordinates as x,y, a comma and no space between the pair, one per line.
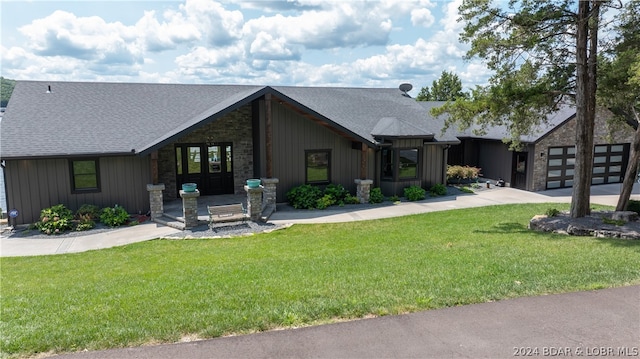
543,53
447,88
619,87
6,88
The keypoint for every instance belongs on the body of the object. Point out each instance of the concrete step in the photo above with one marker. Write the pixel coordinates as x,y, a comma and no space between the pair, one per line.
267,212
170,222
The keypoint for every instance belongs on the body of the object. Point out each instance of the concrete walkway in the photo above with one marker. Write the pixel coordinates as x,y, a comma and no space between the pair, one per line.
601,194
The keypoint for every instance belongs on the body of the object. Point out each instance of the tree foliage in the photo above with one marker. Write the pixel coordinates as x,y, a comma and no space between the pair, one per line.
619,87
543,55
619,75
530,47
447,88
6,88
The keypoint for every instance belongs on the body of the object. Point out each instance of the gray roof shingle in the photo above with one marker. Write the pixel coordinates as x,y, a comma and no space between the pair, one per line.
564,113
89,118
79,118
361,109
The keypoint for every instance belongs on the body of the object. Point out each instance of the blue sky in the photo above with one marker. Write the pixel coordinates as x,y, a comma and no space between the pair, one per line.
299,42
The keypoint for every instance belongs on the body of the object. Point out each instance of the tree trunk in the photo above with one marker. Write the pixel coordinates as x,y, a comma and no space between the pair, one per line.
630,174
580,205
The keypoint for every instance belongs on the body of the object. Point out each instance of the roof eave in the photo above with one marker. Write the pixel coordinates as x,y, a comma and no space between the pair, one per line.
406,137
161,142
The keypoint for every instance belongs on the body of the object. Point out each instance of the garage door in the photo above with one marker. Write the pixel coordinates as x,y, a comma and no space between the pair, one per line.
609,165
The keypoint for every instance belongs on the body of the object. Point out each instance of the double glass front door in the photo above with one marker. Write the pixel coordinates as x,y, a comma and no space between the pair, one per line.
209,166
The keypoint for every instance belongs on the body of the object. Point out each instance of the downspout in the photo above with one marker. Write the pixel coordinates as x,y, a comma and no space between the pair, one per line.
445,160
4,184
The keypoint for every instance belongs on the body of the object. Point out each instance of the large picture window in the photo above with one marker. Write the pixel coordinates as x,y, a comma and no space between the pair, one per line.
85,175
318,166
408,163
399,164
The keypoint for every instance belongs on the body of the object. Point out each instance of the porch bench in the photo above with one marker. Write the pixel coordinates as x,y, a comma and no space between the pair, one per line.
226,214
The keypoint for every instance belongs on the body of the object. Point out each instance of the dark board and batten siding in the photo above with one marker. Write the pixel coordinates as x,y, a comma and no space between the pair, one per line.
293,134
38,184
430,171
433,164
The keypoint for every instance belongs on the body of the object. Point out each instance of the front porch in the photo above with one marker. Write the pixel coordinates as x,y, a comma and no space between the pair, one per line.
174,213
191,210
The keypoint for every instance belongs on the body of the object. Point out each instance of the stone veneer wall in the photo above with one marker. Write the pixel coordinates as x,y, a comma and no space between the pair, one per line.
235,127
565,136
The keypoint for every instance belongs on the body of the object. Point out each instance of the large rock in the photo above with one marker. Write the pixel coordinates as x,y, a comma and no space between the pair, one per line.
627,216
593,225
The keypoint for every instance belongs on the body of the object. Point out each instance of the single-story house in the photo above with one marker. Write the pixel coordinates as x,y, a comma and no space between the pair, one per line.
547,156
81,143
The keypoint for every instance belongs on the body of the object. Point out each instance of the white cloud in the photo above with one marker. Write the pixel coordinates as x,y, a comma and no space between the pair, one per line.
422,17
207,41
265,47
220,26
89,38
166,35
450,19
337,24
14,57
475,73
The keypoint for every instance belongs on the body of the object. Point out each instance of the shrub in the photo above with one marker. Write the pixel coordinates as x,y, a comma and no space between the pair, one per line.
88,211
376,196
414,193
552,212
114,217
394,198
438,190
337,192
633,205
55,219
462,172
85,222
304,197
349,199
325,201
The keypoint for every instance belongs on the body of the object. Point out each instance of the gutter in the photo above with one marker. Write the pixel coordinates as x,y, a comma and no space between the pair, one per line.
68,155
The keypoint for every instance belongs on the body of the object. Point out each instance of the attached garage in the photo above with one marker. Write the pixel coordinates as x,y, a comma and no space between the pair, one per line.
547,158
609,164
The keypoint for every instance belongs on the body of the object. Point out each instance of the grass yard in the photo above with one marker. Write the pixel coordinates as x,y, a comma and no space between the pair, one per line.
165,290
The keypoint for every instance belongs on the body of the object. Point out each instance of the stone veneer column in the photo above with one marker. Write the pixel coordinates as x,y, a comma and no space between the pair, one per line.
269,196
363,190
254,202
155,200
190,208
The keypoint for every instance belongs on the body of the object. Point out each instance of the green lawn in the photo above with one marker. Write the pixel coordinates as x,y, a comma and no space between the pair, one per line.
163,290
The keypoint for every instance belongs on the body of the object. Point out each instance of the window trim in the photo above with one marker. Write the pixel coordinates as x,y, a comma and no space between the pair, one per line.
383,165
72,175
395,158
306,166
417,175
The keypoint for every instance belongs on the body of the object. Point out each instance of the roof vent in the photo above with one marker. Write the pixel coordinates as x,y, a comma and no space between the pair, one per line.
405,88
48,89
